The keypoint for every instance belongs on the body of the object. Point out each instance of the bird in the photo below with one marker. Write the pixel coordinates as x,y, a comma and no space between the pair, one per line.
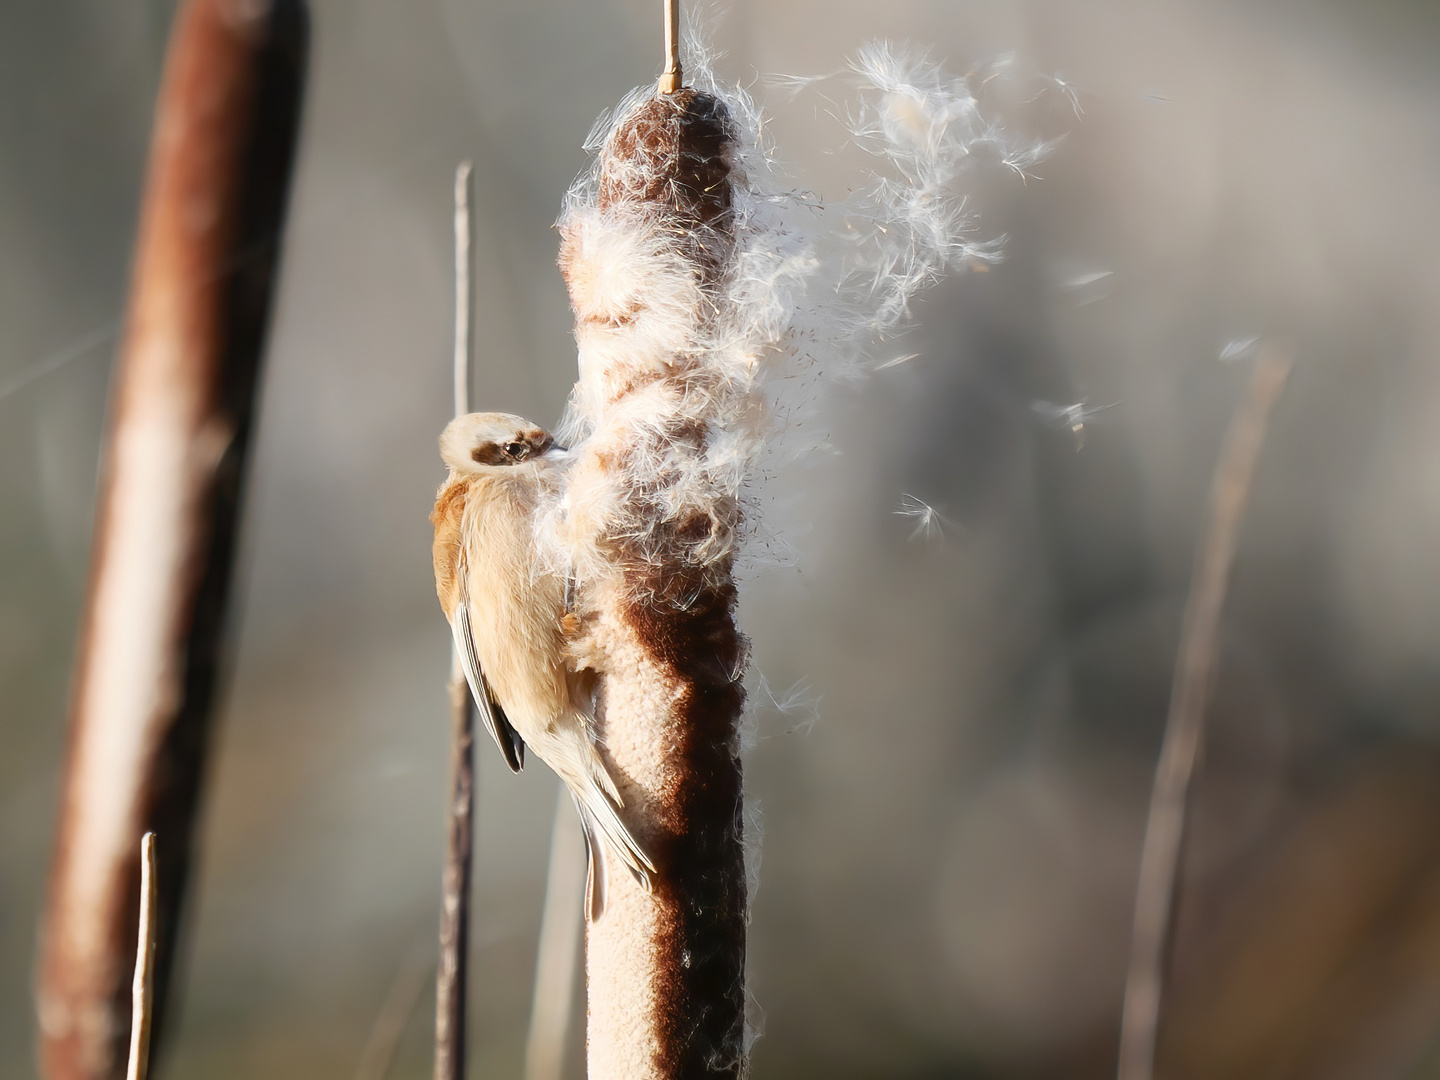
508,614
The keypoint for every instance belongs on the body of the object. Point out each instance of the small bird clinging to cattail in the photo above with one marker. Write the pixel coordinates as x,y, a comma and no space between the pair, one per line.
507,611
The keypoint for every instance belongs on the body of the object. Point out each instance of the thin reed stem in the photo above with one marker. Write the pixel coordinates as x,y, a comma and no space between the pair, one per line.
142,989
672,78
1157,886
464,260
452,976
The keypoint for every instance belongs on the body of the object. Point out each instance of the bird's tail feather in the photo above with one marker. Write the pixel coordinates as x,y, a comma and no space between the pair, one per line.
595,867
604,830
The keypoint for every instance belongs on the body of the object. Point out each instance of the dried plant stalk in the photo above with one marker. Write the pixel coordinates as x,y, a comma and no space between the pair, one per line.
142,987
451,982
1194,676
656,608
452,974
464,259
182,407
672,76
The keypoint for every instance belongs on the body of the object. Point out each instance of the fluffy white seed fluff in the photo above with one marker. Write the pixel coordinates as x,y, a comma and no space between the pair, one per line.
808,293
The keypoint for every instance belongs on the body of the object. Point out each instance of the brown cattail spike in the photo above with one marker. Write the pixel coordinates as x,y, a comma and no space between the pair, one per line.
647,264
672,158
182,408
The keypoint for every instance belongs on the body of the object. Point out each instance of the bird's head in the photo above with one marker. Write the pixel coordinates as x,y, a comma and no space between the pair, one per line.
479,441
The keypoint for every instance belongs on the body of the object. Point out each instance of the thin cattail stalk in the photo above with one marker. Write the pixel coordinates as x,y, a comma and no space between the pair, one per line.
672,78
181,411
395,1012
464,262
1195,666
142,988
452,976
558,954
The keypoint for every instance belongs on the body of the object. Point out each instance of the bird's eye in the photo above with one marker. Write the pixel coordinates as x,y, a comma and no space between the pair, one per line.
515,450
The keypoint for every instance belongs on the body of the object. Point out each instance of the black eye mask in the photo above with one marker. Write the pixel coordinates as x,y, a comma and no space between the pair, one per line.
491,454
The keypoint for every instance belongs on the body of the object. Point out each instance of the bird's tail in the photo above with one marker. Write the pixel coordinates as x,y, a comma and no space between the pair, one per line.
598,802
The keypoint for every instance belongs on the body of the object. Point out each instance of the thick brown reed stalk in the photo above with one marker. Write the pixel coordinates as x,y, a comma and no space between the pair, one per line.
452,975
182,406
1195,666
665,968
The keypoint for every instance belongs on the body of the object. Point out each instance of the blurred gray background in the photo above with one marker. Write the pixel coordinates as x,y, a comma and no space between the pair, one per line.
952,816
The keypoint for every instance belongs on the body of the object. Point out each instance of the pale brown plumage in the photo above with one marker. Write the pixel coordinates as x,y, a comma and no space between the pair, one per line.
507,613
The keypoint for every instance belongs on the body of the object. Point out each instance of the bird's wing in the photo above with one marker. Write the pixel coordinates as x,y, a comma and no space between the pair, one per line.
491,714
